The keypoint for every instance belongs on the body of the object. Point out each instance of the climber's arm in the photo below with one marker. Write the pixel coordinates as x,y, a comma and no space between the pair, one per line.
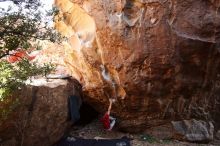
110,106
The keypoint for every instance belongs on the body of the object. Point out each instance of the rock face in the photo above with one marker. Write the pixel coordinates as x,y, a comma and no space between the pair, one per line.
193,130
159,58
41,114
218,134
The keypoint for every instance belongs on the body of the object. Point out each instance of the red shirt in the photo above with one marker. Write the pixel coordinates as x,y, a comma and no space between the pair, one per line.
105,121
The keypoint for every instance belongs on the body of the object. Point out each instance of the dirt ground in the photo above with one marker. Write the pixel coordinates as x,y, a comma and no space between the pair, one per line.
95,130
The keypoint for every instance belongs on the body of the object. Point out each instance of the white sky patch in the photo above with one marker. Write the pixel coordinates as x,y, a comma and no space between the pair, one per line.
48,3
46,6
5,5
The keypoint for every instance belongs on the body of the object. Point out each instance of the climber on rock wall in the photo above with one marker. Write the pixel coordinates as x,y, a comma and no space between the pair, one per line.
107,120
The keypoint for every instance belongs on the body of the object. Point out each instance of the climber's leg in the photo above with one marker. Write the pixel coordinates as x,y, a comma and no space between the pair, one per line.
112,122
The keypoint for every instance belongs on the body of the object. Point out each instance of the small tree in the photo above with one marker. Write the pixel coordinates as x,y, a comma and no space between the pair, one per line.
21,28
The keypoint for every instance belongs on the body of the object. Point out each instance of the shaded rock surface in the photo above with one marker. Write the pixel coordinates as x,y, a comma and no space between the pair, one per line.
162,56
218,135
193,130
41,114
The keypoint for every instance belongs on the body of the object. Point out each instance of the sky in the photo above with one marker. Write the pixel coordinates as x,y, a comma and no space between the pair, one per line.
47,4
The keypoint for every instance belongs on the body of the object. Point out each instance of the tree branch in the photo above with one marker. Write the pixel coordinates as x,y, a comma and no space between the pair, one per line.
5,54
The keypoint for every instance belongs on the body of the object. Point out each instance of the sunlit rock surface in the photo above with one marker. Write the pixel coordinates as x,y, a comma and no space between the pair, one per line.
159,58
40,115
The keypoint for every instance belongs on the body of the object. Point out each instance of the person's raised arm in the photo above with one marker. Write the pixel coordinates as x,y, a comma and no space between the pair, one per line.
110,106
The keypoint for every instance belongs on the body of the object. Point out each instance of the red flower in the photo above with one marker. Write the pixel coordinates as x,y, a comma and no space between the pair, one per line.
18,56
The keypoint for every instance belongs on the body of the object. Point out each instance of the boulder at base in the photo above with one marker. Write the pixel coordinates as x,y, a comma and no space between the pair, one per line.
40,116
218,134
193,130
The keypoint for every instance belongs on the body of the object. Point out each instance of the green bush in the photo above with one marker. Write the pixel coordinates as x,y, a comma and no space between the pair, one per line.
22,28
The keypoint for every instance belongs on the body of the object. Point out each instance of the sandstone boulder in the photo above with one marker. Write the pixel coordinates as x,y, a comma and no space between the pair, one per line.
193,130
218,134
159,58
40,116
